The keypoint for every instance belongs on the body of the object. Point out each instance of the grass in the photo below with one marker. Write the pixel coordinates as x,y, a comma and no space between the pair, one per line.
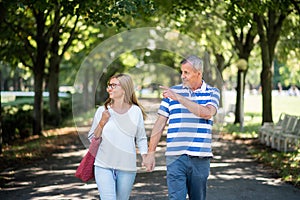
286,104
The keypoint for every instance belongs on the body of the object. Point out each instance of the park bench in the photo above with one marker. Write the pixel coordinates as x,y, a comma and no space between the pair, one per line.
289,138
268,128
288,125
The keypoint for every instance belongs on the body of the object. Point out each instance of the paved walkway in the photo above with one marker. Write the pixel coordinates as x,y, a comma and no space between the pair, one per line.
234,176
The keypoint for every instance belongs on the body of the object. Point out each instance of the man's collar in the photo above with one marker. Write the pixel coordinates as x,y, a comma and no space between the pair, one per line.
202,88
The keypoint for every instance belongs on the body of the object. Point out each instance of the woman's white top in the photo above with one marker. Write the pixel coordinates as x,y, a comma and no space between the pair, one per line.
119,138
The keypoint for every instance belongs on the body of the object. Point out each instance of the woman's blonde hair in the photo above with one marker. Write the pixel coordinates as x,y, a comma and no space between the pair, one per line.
128,86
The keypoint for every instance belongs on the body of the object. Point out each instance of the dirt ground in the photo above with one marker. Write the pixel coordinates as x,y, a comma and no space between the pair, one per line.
235,175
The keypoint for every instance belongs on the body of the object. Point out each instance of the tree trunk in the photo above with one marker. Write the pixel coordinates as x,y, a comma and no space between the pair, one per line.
54,61
244,43
39,71
266,84
53,91
266,77
38,99
220,66
269,32
238,100
0,114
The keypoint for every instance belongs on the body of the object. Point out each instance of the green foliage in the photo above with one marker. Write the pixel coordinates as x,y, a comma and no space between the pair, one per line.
17,118
112,13
38,34
199,19
205,21
16,122
65,111
249,131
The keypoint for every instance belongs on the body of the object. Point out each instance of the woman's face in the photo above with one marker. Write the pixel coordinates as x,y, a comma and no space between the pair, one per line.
114,89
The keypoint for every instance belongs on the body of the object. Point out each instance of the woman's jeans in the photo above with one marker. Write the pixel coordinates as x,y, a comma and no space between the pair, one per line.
187,175
114,184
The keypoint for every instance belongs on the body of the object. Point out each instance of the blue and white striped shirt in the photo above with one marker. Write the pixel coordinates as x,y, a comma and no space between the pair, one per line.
188,133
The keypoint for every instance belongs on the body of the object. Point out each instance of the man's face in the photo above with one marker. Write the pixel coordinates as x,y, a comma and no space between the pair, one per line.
190,77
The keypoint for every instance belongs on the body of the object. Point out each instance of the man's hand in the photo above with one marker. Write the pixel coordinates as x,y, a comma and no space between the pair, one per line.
205,112
168,93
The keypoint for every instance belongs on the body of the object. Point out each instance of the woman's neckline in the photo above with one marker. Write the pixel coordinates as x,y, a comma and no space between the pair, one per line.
122,112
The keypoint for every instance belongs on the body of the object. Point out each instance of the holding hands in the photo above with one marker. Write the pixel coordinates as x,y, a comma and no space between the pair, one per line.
149,161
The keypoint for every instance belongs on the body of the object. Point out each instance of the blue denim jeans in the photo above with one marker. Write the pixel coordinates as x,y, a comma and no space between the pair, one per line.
187,175
114,184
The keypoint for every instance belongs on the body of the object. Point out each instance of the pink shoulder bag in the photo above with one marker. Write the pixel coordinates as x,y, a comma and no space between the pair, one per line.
85,170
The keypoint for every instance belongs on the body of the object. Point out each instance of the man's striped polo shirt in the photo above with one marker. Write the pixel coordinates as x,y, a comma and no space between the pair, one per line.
187,133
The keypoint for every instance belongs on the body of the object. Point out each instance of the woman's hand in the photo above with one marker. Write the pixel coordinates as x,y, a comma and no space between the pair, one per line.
104,119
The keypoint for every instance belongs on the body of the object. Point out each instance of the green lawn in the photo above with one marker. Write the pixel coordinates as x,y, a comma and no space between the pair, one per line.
286,104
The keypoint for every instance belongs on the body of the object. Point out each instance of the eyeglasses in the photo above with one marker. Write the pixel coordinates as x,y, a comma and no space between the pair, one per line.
112,85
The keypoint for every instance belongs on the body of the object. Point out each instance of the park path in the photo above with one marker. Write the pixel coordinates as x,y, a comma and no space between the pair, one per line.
234,176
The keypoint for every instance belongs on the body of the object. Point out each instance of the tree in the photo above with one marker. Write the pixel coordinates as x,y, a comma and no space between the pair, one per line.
269,20
27,39
32,35
208,29
111,14
243,31
288,53
2,11
62,23
244,20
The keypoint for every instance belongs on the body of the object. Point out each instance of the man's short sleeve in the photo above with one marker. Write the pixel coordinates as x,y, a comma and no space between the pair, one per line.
164,107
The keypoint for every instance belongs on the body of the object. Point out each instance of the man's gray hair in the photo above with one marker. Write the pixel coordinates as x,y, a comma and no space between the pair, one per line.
195,61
